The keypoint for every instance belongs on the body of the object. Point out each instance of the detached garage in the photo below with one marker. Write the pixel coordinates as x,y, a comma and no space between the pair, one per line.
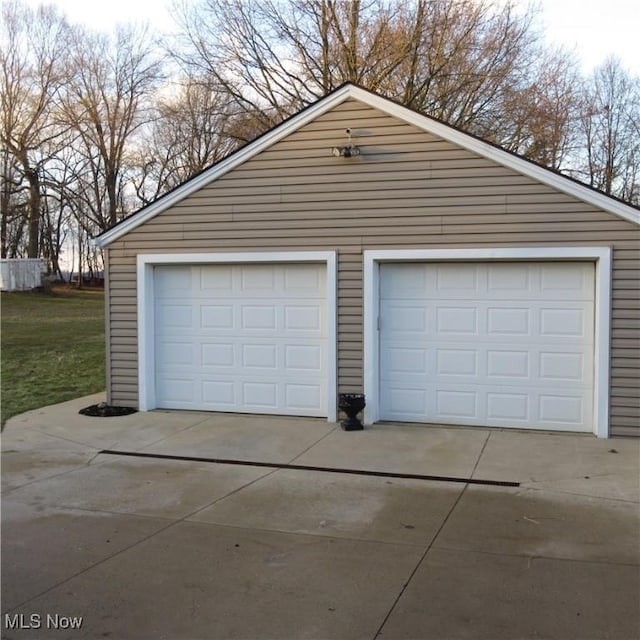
450,281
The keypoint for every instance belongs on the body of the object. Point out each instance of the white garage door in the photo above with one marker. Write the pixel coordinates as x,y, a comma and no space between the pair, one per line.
245,338
495,344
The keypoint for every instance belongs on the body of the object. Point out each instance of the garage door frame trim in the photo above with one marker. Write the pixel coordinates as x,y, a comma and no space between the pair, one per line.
146,299
601,256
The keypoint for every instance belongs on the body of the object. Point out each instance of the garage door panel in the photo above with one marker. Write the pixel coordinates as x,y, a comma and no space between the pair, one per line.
259,396
177,390
546,323
300,358
217,355
469,405
404,281
219,279
518,279
564,320
456,362
290,357
177,279
258,317
176,316
455,281
259,356
175,354
405,402
218,393
508,321
456,320
566,409
305,397
484,358
304,280
508,363
216,317
511,407
565,366
456,403
242,338
403,318
302,318
404,359
567,281
451,280
498,363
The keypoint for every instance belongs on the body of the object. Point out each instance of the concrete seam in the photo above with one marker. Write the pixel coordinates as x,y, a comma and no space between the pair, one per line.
532,558
175,433
93,566
420,561
84,465
227,495
484,444
137,542
63,439
317,536
313,445
524,487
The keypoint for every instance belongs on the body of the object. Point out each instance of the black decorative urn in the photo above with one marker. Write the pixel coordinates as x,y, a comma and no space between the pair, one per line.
351,404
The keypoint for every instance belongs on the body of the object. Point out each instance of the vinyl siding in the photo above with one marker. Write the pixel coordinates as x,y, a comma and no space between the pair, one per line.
409,189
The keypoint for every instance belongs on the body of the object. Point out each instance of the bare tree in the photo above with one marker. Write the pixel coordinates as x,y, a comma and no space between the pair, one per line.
193,128
540,120
611,132
32,68
276,56
106,101
453,59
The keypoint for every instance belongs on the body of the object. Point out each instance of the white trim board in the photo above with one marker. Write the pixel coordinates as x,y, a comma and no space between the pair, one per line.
601,256
145,281
340,95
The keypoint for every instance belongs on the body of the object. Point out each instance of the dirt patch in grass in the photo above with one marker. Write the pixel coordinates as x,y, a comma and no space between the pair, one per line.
52,347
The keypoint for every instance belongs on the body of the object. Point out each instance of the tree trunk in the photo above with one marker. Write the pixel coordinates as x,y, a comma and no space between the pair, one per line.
112,197
5,201
34,213
80,241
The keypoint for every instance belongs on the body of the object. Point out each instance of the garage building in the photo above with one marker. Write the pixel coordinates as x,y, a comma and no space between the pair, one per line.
450,281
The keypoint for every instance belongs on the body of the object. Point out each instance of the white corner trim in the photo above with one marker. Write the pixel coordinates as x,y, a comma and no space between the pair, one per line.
145,283
602,346
601,256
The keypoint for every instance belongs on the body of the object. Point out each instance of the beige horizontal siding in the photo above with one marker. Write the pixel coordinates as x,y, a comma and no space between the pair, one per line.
408,189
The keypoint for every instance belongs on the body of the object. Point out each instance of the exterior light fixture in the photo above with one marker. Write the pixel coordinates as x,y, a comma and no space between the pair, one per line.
348,151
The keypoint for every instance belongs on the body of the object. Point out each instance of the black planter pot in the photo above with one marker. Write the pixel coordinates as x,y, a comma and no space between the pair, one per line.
351,404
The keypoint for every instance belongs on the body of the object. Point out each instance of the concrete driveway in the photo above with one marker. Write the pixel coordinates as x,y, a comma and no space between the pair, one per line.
145,547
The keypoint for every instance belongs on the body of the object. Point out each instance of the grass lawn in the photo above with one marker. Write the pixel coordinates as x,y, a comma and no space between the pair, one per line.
52,348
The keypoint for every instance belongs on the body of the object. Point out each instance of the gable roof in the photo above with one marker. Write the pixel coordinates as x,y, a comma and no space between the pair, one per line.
447,132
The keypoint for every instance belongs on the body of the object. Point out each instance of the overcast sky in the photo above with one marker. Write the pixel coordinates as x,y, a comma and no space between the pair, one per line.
594,28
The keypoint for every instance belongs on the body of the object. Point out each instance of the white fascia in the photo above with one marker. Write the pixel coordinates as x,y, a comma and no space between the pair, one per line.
601,256
145,280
